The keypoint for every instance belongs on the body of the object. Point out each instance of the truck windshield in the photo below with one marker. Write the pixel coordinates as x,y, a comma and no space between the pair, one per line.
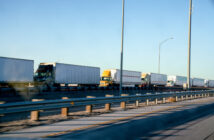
144,80
43,72
170,82
106,78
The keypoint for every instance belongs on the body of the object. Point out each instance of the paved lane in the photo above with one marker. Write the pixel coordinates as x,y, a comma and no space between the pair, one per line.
196,129
189,122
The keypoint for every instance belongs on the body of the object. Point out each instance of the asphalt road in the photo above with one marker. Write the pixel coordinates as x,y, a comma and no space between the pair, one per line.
196,128
190,122
193,119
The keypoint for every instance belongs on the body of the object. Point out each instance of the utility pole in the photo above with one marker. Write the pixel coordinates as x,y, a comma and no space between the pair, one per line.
189,47
121,58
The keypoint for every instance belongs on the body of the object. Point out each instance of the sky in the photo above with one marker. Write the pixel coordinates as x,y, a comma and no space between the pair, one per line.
88,32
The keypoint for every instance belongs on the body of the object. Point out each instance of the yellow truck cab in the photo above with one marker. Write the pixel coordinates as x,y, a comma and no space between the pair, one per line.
106,79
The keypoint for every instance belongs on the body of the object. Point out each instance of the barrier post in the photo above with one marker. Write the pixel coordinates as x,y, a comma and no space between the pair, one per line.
176,98
108,105
64,111
123,104
164,100
156,101
137,103
89,107
34,115
186,97
147,102
2,102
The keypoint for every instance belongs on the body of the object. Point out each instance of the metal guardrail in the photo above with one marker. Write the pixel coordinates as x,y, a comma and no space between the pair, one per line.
66,103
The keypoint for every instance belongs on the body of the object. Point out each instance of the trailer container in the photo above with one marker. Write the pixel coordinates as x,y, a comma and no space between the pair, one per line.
153,79
68,74
111,78
16,71
209,83
197,82
173,80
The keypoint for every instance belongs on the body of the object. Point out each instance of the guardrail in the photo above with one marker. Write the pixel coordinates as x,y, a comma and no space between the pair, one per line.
36,105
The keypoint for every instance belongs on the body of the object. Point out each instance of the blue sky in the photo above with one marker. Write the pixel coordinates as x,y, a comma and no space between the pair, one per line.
88,32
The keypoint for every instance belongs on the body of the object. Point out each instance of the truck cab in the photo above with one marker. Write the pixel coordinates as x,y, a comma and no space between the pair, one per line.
106,79
145,80
44,73
170,83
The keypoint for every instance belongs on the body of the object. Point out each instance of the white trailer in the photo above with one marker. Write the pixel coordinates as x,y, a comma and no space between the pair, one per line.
130,78
173,80
154,79
16,71
197,82
209,83
74,75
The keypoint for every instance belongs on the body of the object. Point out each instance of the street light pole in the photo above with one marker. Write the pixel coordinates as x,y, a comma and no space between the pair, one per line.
189,46
161,43
121,57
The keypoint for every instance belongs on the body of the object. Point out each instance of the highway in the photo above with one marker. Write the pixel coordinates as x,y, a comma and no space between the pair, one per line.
192,119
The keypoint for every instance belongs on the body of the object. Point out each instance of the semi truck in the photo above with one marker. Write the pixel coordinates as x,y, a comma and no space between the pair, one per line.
173,80
58,74
153,79
16,72
111,78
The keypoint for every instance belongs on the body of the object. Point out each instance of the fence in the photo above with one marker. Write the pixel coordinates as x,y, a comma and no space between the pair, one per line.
35,106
